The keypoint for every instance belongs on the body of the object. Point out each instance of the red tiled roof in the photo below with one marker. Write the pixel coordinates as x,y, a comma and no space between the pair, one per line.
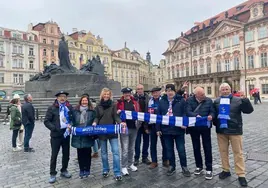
7,34
76,34
39,27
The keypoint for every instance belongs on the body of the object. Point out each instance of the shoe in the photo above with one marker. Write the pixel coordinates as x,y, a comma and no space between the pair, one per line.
166,163
153,165
118,178
17,149
20,144
136,162
186,172
146,161
243,182
209,175
95,155
224,175
81,174
106,174
65,174
198,171
52,179
29,150
133,168
86,173
171,170
125,172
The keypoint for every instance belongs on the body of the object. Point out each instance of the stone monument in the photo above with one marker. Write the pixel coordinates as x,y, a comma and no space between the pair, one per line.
89,79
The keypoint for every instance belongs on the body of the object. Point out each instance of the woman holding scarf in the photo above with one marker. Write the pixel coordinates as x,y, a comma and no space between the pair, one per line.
106,114
83,115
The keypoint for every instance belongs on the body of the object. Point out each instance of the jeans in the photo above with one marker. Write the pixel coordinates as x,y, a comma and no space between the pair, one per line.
145,147
28,134
96,146
14,137
128,146
115,152
153,146
180,145
84,158
206,142
56,143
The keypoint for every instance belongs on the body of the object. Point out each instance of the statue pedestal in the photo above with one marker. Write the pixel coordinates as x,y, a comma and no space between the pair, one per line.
74,84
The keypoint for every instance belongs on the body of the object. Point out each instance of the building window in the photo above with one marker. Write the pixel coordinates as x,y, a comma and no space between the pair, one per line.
201,50
226,42
1,47
182,55
264,59
264,88
182,73
227,65
235,40
208,47
44,52
1,61
202,69
2,77
173,73
52,53
52,42
44,64
195,69
194,51
262,32
209,90
218,66
187,71
15,78
31,65
30,38
81,46
249,36
31,51
15,49
250,62
52,30
20,49
236,63
218,44
20,63
208,67
21,78
178,73
44,41
14,63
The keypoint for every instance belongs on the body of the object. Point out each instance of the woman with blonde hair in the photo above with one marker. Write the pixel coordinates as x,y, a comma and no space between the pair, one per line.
106,114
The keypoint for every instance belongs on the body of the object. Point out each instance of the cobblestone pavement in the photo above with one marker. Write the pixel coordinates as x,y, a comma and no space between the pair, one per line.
18,169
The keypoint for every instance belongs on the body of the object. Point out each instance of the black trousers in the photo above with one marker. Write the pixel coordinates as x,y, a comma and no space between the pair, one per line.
14,137
84,158
206,141
56,143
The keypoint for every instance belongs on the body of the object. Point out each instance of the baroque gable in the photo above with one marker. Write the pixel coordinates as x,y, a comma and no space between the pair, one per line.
226,27
180,44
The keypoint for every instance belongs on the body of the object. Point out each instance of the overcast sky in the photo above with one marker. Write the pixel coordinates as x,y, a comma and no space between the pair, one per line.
143,24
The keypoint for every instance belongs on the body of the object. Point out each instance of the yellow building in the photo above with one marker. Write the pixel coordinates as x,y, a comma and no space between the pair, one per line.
84,46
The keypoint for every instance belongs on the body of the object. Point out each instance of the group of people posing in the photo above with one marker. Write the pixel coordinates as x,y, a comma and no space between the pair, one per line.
224,113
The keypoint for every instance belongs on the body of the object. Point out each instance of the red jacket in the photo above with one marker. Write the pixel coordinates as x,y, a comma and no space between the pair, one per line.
121,106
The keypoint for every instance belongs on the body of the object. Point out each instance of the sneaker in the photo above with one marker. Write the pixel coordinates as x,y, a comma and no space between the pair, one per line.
153,165
166,163
125,172
224,175
17,149
106,174
65,174
81,174
209,175
29,150
243,182
186,172
118,178
146,161
86,173
52,179
171,171
198,171
136,162
133,168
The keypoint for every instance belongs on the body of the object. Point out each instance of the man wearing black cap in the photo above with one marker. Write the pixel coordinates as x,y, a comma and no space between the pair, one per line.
173,105
127,102
152,109
58,118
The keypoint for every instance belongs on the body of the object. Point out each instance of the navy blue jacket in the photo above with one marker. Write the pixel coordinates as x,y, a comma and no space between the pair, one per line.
178,109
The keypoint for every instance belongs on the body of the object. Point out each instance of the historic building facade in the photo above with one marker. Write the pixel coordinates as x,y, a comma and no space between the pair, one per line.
230,47
84,46
19,60
49,35
159,74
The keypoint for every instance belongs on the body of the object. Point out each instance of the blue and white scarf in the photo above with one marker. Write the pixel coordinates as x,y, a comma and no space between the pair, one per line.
152,106
64,116
224,111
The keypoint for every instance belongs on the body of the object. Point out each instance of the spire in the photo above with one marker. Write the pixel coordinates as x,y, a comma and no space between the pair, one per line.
125,45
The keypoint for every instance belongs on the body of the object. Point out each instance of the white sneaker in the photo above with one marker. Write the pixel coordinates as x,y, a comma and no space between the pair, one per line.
133,168
17,148
125,172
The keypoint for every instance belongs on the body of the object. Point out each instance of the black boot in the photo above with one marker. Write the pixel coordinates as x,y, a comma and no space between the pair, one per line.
243,182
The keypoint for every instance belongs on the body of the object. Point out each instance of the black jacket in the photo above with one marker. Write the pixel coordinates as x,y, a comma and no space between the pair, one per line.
178,109
52,120
28,113
235,124
205,109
